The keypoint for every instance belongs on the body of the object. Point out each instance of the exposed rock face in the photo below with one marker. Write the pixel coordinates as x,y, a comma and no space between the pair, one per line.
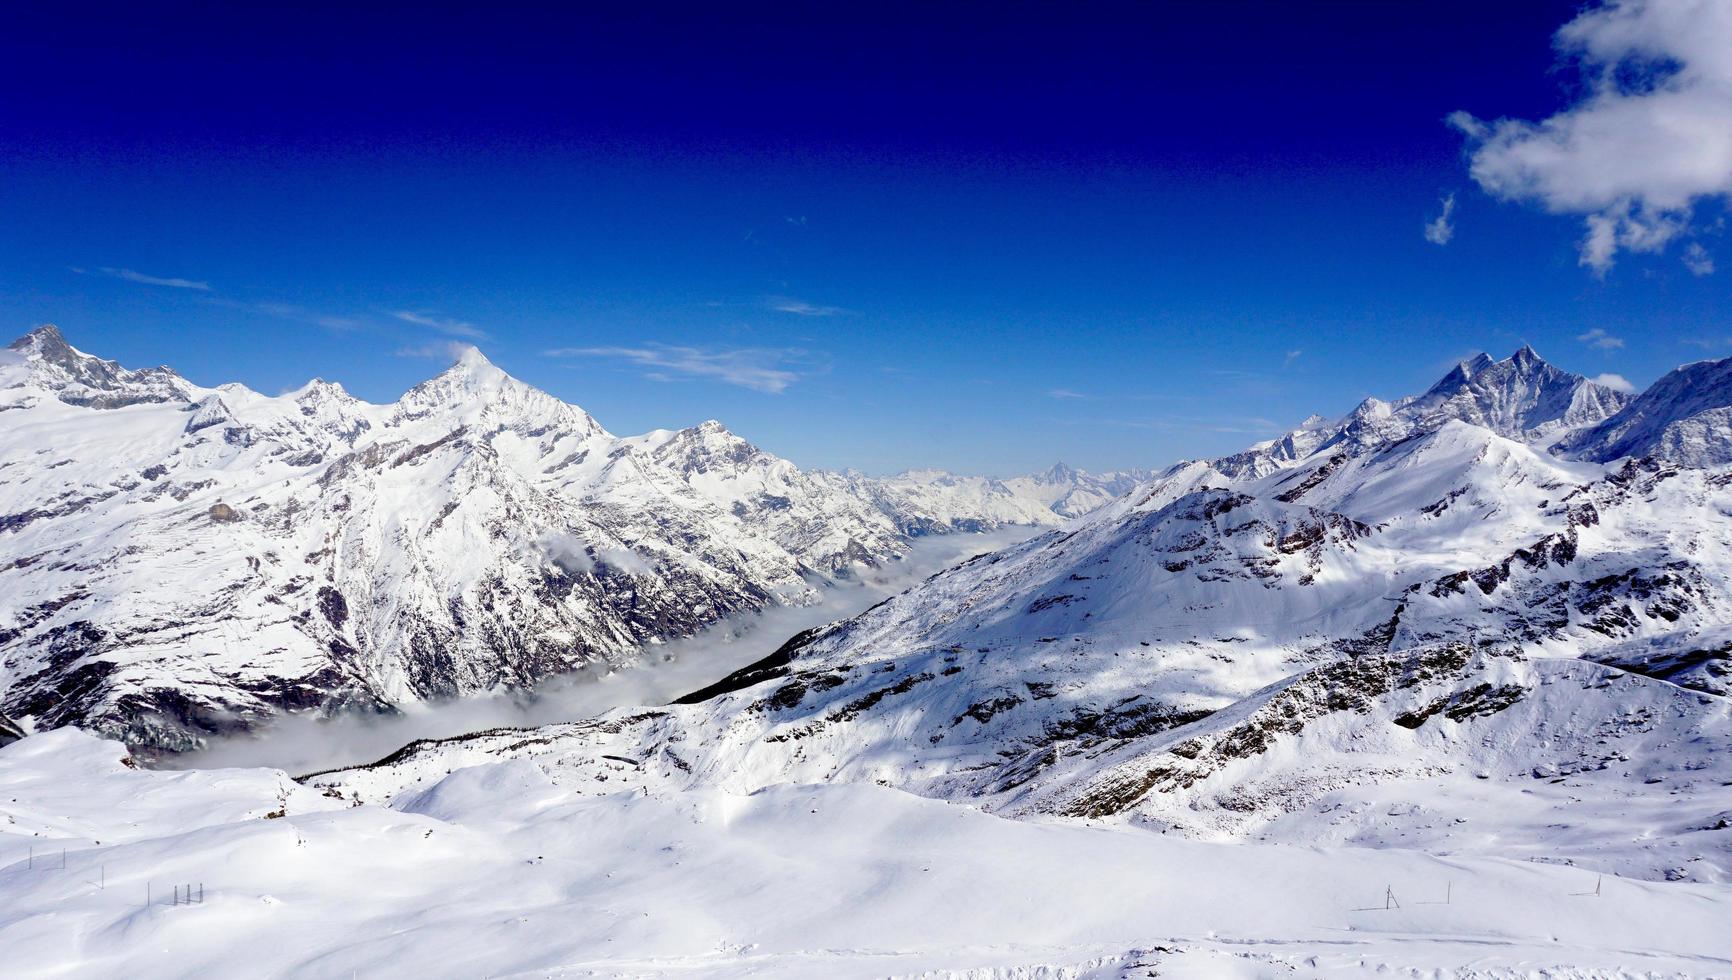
177,561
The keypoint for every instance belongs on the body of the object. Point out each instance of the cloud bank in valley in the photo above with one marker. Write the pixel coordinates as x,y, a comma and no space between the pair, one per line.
304,743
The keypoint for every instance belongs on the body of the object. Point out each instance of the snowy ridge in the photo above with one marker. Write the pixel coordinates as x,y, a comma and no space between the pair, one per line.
1419,629
178,560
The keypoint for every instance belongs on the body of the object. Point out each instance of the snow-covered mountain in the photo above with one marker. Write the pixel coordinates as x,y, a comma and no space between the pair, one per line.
1416,624
1521,398
178,560
1685,418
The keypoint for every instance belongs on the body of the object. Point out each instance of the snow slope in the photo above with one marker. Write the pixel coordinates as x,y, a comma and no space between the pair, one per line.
1442,634
509,869
177,560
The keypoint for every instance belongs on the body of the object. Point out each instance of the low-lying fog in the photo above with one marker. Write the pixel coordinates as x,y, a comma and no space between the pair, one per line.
305,743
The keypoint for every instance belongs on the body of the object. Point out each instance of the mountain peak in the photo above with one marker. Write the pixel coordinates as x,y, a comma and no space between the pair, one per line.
83,379
470,361
46,333
1527,359
1683,417
470,374
47,344
1058,473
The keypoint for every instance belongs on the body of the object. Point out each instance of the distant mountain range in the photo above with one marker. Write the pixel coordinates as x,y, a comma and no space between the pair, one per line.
1497,614
177,560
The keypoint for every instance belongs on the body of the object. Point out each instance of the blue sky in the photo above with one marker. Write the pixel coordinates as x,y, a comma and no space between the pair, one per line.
984,239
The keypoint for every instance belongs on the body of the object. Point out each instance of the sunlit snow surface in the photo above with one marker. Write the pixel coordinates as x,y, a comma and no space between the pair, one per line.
495,870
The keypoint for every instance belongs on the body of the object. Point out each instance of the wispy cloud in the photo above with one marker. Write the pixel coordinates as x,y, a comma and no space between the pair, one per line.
1600,340
1697,260
1616,382
286,311
1292,355
445,325
799,307
767,369
1439,230
1065,393
443,350
1709,343
131,275
1238,426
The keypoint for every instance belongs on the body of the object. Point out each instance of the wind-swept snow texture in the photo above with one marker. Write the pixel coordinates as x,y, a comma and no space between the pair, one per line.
509,869
177,561
1417,625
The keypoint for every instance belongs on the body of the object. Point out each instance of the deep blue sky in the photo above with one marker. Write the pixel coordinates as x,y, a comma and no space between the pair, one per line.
1149,208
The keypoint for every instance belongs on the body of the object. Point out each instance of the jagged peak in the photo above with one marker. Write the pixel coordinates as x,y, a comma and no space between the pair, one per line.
1477,363
1527,358
1058,473
47,344
320,388
83,379
45,336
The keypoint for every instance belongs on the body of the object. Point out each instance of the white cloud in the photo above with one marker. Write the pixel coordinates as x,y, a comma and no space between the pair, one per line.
770,370
1616,382
799,307
1600,340
1649,142
1440,230
449,327
1292,355
1697,260
148,280
1065,393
